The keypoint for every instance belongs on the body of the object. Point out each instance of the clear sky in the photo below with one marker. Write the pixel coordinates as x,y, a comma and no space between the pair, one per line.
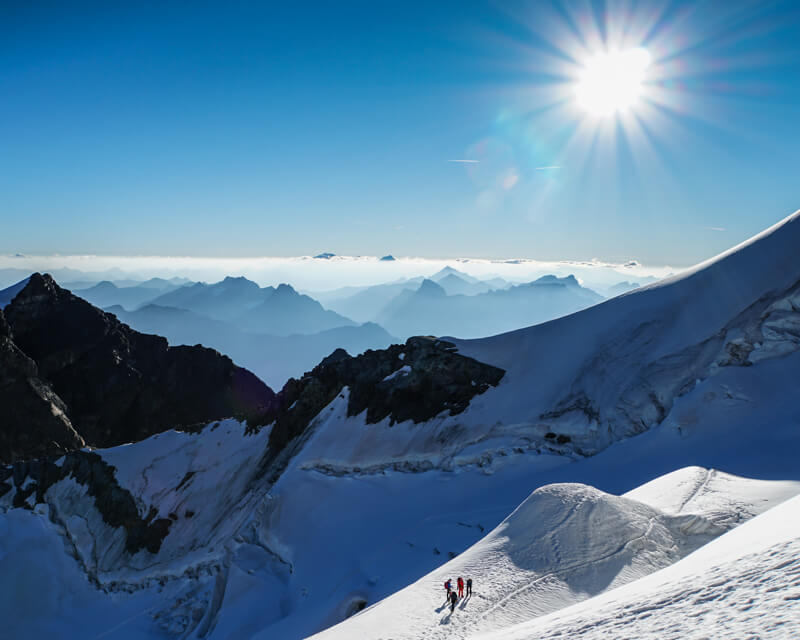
292,128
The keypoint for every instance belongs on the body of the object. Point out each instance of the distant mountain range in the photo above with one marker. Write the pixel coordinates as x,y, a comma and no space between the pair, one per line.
279,311
130,296
273,358
365,304
451,302
280,333
429,309
285,312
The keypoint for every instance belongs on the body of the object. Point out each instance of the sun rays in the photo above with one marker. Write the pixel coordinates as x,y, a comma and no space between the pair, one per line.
615,94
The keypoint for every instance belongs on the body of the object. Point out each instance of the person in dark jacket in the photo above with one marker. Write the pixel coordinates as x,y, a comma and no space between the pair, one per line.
453,600
469,586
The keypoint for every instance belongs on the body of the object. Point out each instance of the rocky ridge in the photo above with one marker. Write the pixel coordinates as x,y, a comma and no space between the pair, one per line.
110,383
415,381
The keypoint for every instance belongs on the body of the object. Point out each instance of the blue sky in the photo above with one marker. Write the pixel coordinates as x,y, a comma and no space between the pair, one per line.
229,129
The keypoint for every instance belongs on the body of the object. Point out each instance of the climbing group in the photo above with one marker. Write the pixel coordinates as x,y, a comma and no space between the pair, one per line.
452,597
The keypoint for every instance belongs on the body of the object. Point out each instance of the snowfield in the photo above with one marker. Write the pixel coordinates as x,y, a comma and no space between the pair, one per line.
628,442
745,584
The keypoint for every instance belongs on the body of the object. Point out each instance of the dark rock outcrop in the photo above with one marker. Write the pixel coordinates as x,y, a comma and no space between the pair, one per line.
120,385
33,421
415,381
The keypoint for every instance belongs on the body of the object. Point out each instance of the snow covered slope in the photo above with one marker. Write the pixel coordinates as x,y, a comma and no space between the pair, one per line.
745,584
211,535
564,544
616,369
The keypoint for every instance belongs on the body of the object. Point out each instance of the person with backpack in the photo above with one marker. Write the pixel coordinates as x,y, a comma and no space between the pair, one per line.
453,600
448,587
469,586
460,583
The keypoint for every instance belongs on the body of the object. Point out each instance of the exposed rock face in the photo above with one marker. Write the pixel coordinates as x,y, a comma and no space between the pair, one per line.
120,385
115,504
33,421
415,381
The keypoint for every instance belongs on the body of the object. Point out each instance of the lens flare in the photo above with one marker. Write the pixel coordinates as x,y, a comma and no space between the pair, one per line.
612,82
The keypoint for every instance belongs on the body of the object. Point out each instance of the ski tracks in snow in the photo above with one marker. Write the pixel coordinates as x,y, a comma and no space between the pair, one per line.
698,489
567,569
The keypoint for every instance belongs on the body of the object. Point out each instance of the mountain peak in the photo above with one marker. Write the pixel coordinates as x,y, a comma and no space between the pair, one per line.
239,281
450,271
106,285
445,271
285,289
570,280
40,286
452,277
431,288
41,282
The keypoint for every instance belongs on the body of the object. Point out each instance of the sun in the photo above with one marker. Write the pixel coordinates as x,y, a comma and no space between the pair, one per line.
612,82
